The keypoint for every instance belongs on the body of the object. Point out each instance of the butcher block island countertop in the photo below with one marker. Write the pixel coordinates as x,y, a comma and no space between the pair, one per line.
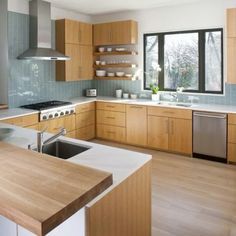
39,192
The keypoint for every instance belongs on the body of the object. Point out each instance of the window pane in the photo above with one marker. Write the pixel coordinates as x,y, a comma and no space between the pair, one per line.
151,51
181,60
213,61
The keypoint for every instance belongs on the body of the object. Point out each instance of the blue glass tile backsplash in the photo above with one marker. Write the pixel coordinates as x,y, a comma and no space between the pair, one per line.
31,82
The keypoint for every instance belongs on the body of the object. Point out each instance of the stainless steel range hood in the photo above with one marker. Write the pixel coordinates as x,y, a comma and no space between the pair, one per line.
40,34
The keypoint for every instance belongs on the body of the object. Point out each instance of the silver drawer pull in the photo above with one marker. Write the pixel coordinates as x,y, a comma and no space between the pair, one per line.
109,117
111,132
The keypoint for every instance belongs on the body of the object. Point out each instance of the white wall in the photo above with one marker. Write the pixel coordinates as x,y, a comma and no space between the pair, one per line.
22,6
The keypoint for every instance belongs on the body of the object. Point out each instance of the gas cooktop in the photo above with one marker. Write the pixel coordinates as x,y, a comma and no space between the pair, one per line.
46,105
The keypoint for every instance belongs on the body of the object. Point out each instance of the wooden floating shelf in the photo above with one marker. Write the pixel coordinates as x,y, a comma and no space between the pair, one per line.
113,78
115,53
118,65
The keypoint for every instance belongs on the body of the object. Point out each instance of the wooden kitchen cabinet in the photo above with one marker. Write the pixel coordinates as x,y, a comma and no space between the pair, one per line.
116,33
74,39
180,135
232,138
23,121
231,60
111,118
54,125
73,32
170,129
136,125
158,132
231,23
85,121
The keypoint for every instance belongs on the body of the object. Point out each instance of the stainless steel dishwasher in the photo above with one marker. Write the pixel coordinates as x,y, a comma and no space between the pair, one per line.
209,136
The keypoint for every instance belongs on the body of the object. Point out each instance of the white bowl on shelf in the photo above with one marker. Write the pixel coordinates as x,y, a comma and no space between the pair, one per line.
128,75
120,74
120,49
101,49
110,74
5,133
100,73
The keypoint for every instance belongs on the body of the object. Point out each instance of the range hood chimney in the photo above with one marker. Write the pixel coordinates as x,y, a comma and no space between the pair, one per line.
40,34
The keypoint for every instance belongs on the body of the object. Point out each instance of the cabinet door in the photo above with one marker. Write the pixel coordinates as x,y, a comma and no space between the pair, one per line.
102,34
85,119
158,129
85,62
124,32
85,34
86,133
231,22
72,31
136,125
111,118
72,66
232,152
231,60
180,135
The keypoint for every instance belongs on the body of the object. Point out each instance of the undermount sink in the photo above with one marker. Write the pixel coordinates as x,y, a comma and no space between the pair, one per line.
63,149
175,104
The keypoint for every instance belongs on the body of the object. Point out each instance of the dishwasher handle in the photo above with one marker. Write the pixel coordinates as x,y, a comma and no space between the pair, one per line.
208,115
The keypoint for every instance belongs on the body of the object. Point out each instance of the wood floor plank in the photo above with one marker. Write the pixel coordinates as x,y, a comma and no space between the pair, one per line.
191,197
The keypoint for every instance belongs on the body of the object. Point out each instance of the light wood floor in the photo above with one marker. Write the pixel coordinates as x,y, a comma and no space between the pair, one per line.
191,197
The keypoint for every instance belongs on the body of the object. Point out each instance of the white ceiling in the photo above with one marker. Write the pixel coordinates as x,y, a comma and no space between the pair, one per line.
108,6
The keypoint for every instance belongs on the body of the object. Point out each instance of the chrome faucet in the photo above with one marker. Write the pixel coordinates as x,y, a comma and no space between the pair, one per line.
41,143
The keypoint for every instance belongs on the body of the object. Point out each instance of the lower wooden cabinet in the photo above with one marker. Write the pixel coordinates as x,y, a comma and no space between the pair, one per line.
71,134
180,135
86,133
85,119
136,125
232,152
35,127
113,133
158,132
232,138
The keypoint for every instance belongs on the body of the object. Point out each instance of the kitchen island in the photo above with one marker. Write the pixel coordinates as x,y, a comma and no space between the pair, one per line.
124,208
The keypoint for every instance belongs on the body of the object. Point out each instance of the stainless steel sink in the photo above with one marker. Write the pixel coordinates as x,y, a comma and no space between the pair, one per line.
175,104
63,149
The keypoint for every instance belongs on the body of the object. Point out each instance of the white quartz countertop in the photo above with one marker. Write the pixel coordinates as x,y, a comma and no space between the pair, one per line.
121,163
17,112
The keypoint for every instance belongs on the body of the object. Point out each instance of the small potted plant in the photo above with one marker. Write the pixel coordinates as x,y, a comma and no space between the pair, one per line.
155,89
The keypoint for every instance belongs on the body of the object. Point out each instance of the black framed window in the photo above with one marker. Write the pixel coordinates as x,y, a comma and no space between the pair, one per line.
189,59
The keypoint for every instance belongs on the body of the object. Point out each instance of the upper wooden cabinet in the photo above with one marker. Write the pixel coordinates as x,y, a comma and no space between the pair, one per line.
71,31
231,60
115,33
74,39
231,23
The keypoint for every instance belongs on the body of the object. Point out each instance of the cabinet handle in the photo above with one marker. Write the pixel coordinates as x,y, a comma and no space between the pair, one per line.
110,106
168,112
167,126
79,36
172,127
110,36
111,132
109,117
136,107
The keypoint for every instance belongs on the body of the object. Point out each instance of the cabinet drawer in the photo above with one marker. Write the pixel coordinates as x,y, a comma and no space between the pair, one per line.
86,133
85,119
23,120
111,118
232,133
170,112
109,106
232,152
54,125
111,132
232,119
85,107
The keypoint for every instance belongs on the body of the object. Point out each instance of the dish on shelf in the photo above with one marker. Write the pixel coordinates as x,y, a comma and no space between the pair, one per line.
109,49
120,74
101,49
100,73
133,96
121,49
110,74
128,75
103,63
97,63
125,95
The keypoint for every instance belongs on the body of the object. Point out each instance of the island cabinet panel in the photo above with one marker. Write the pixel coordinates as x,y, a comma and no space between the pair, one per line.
126,210
231,23
23,121
85,121
136,125
116,33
